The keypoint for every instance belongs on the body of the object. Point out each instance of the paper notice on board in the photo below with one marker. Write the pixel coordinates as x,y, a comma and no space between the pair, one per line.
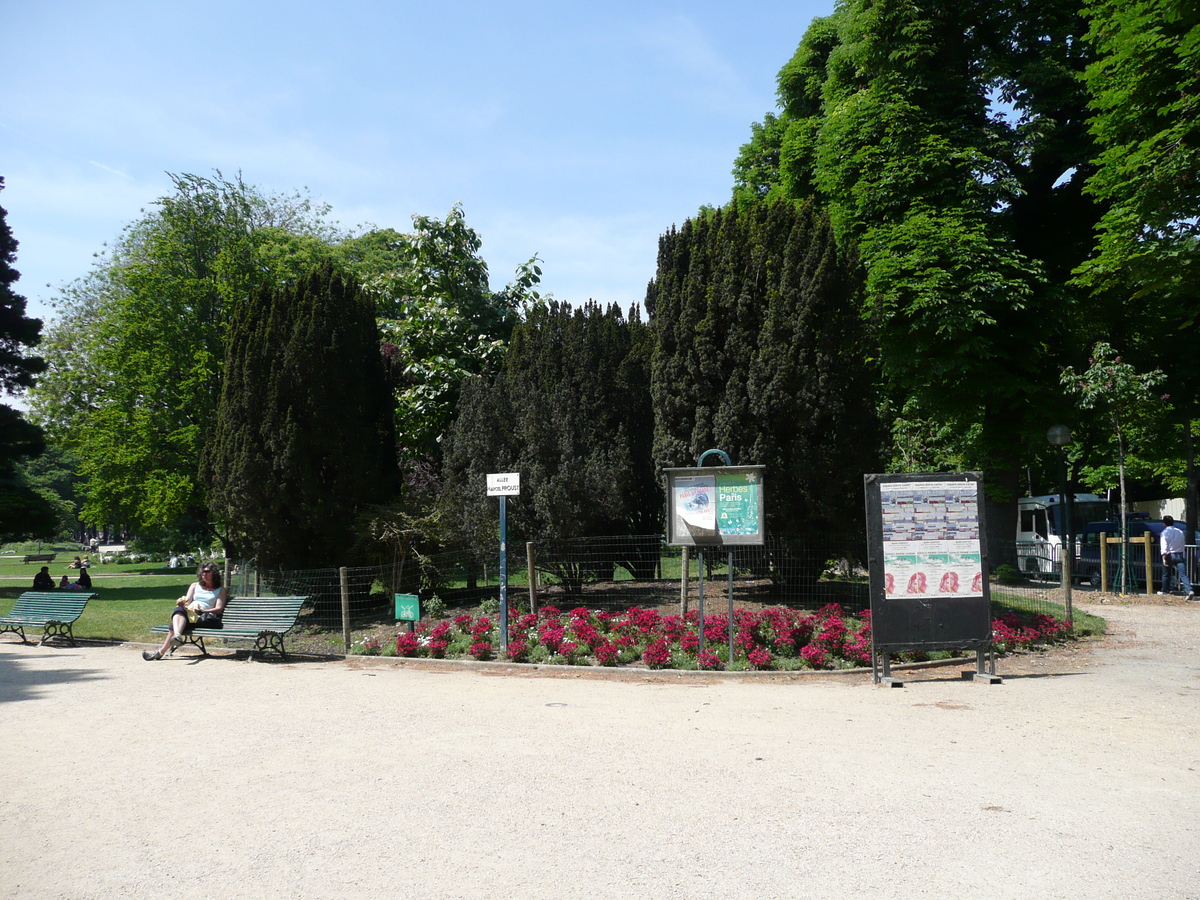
931,539
696,502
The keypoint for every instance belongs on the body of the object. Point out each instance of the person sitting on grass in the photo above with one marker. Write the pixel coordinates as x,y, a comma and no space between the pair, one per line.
85,580
64,583
43,580
202,605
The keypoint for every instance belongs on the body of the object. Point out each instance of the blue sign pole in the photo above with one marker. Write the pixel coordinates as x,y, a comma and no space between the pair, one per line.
503,574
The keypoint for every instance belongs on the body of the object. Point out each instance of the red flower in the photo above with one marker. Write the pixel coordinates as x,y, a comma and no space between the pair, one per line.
408,643
657,654
760,658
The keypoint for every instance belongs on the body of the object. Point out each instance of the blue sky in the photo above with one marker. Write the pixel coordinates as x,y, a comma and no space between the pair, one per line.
576,131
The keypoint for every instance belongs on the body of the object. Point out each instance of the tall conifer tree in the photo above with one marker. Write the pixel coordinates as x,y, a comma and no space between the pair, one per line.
304,436
760,351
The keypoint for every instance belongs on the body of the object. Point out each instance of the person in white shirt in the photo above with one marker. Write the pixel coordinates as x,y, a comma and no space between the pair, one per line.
1170,545
201,605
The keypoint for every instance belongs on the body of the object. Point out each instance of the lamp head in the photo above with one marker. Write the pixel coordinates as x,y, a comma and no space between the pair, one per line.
1059,435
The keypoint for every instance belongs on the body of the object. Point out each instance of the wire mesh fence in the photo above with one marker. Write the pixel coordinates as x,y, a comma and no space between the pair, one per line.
610,573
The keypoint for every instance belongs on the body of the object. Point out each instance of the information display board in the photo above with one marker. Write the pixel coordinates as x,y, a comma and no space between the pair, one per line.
715,506
928,561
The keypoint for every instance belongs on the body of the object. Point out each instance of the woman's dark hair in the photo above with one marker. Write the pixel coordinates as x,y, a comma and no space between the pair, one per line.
210,567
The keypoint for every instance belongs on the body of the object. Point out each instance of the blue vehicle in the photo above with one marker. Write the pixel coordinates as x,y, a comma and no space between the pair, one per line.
1088,551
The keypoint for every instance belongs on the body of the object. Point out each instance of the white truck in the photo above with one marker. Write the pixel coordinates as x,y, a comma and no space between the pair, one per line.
1041,524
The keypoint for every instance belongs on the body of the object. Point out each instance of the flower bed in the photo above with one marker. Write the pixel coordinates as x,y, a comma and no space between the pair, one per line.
775,638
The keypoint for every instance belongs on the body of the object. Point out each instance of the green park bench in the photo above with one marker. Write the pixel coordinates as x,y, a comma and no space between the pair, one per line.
38,557
265,620
52,611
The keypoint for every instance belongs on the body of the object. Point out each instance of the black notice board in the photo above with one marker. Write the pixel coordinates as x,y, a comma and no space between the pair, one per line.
927,556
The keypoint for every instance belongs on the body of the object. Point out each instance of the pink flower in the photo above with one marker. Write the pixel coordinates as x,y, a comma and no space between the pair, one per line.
607,653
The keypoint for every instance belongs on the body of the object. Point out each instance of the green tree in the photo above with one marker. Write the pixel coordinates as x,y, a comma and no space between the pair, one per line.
949,142
1125,397
137,353
441,322
1145,87
568,408
303,440
24,513
761,351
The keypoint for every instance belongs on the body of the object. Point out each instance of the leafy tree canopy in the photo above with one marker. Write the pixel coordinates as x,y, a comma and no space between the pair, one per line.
440,320
137,352
1145,88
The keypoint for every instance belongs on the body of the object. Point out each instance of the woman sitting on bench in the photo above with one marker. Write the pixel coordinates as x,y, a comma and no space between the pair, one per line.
201,605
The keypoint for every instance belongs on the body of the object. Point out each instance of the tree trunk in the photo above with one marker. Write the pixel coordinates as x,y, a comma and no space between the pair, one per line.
1192,493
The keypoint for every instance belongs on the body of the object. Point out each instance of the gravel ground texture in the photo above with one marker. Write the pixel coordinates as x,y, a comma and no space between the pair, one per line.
1078,776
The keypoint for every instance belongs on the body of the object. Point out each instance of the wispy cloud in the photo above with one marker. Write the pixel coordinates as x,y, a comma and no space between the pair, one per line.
105,168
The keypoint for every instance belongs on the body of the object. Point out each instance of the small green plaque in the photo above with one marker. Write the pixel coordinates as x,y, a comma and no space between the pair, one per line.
408,608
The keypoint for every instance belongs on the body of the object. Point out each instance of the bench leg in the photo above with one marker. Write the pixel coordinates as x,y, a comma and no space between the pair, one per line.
196,640
57,631
17,630
268,641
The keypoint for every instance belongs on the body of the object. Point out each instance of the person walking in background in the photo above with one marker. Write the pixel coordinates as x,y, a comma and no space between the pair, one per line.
43,580
1170,545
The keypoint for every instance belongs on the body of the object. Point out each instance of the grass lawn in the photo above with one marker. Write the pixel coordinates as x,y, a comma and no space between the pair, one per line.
128,603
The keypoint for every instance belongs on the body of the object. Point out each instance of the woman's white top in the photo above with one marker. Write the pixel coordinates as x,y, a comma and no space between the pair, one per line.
205,598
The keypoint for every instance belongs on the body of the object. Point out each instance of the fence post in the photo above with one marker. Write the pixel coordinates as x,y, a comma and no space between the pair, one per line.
1103,561
345,607
685,571
1149,537
529,562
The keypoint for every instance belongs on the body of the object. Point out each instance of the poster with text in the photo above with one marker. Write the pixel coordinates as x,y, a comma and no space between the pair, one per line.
738,499
696,502
931,539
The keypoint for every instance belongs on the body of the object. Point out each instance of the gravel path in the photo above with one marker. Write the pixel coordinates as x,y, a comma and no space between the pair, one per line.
1077,777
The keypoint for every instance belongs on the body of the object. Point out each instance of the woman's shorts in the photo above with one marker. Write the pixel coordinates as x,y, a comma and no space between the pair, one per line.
206,619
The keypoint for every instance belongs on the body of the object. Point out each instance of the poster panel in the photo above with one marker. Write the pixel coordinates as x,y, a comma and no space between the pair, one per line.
713,506
927,558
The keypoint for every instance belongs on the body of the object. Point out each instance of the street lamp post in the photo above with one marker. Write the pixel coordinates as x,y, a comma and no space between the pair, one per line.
1059,436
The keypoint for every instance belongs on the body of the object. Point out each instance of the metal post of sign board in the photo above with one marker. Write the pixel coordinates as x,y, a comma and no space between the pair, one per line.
503,486
710,506
503,574
730,564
